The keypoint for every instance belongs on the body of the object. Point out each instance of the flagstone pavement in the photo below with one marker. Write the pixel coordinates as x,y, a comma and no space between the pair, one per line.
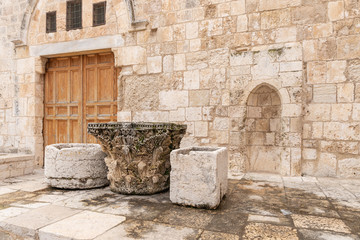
256,206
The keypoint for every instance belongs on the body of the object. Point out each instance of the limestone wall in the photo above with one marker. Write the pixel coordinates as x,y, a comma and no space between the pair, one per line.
198,61
11,14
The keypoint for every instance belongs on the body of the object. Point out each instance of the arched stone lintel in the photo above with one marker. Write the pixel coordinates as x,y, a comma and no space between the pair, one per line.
272,83
21,38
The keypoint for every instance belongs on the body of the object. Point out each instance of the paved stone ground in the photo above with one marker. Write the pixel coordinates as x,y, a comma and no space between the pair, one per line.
257,206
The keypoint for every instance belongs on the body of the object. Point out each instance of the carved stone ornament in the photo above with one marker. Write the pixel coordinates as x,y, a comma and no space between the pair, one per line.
138,154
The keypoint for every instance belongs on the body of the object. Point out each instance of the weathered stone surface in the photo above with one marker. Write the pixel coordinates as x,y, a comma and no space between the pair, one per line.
154,64
340,147
131,55
138,154
347,47
345,92
28,223
172,100
353,70
327,165
94,223
318,112
198,176
313,13
342,131
16,164
266,5
336,10
324,93
349,167
323,223
75,166
341,112
265,230
148,230
336,71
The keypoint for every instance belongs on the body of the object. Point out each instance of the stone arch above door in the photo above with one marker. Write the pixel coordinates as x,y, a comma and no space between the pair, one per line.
118,9
117,21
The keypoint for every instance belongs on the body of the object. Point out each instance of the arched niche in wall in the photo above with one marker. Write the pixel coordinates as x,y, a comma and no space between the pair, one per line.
263,130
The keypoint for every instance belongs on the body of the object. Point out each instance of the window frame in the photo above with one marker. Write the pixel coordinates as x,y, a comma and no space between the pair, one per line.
101,4
50,21
71,15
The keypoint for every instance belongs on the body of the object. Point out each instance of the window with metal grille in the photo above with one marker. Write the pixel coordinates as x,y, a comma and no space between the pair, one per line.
99,13
73,15
51,22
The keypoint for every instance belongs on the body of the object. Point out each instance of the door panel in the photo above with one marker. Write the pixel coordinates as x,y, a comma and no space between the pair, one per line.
61,86
62,131
105,81
99,90
78,90
75,86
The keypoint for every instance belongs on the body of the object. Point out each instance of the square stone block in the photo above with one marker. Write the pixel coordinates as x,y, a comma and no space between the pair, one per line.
198,176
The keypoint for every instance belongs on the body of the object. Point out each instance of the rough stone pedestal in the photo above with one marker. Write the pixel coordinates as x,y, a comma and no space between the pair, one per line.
75,166
198,176
138,154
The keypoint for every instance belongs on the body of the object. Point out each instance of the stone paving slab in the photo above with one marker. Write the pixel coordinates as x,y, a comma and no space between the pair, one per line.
269,231
325,235
5,190
133,229
11,212
28,223
29,186
257,206
29,204
74,226
322,223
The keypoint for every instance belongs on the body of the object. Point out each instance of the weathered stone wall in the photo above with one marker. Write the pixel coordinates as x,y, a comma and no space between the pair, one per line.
11,15
197,61
331,123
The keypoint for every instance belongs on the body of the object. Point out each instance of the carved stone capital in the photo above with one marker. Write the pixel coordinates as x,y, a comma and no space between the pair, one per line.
138,154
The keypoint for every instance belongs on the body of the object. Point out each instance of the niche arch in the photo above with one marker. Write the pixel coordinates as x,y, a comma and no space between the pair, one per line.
263,130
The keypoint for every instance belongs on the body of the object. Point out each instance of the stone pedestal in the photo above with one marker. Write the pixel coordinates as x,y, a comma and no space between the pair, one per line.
138,154
198,176
75,166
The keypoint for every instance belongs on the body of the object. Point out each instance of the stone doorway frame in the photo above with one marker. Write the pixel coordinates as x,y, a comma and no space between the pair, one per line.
30,73
31,68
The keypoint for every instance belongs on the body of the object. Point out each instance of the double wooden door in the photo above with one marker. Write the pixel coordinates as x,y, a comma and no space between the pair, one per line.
78,90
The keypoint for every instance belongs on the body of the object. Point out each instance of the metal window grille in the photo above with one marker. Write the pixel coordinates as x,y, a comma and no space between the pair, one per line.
73,15
51,22
99,13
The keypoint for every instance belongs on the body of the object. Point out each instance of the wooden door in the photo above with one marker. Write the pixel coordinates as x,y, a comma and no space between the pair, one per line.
78,90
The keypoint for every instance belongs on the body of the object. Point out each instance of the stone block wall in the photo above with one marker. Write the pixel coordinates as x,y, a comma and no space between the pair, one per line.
11,15
14,165
330,129
198,61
